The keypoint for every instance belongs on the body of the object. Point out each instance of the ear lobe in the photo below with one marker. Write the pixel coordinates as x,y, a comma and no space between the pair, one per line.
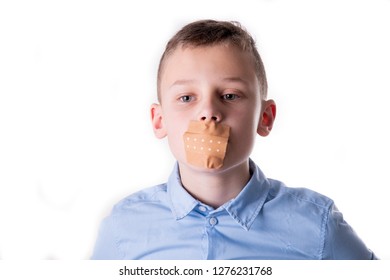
267,117
157,121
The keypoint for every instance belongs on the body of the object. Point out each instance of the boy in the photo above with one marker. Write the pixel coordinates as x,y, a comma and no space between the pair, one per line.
217,204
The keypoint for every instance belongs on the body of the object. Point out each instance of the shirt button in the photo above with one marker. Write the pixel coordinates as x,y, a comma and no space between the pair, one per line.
213,221
202,208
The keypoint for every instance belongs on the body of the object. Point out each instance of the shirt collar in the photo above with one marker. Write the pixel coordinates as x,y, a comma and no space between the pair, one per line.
181,201
243,209
247,205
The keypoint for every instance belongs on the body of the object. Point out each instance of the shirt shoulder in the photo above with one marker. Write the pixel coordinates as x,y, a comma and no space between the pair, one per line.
144,197
279,190
119,231
336,238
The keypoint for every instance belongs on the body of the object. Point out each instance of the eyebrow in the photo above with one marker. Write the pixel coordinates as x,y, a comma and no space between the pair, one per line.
182,82
236,80
191,81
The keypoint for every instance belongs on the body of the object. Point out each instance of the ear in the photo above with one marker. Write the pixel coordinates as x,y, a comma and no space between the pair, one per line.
267,117
157,121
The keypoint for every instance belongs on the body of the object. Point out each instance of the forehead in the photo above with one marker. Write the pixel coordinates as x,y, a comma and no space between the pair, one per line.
208,63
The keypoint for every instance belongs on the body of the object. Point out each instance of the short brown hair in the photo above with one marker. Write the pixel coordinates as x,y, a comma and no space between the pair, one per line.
211,32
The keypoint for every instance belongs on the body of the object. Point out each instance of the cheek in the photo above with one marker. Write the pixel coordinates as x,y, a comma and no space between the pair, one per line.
176,146
245,132
247,122
243,138
175,138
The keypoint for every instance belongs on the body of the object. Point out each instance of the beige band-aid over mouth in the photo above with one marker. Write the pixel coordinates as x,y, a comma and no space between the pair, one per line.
205,143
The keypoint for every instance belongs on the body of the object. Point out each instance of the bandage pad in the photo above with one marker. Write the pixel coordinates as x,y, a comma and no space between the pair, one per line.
205,143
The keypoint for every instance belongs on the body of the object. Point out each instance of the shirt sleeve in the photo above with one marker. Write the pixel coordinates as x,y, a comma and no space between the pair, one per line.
106,246
341,242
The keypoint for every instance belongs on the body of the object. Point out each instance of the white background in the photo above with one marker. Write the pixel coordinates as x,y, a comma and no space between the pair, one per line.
77,79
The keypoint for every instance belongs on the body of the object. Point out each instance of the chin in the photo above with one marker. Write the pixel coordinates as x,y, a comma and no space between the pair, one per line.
226,167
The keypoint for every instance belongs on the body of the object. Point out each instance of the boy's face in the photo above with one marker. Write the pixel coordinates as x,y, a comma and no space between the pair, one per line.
211,83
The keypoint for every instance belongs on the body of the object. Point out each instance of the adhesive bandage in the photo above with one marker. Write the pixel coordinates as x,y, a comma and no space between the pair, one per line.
205,143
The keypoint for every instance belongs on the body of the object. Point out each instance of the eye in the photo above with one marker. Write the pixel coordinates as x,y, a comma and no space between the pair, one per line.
185,98
230,96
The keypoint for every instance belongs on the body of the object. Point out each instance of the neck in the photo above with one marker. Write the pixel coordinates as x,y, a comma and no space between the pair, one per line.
215,188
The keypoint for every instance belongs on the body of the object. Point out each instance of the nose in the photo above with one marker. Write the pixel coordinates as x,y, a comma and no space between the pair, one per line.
212,118
210,111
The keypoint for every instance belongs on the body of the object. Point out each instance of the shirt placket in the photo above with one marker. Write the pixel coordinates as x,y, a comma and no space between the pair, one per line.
211,221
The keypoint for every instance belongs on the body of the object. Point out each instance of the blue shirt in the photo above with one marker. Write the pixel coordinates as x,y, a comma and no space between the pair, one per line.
267,220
